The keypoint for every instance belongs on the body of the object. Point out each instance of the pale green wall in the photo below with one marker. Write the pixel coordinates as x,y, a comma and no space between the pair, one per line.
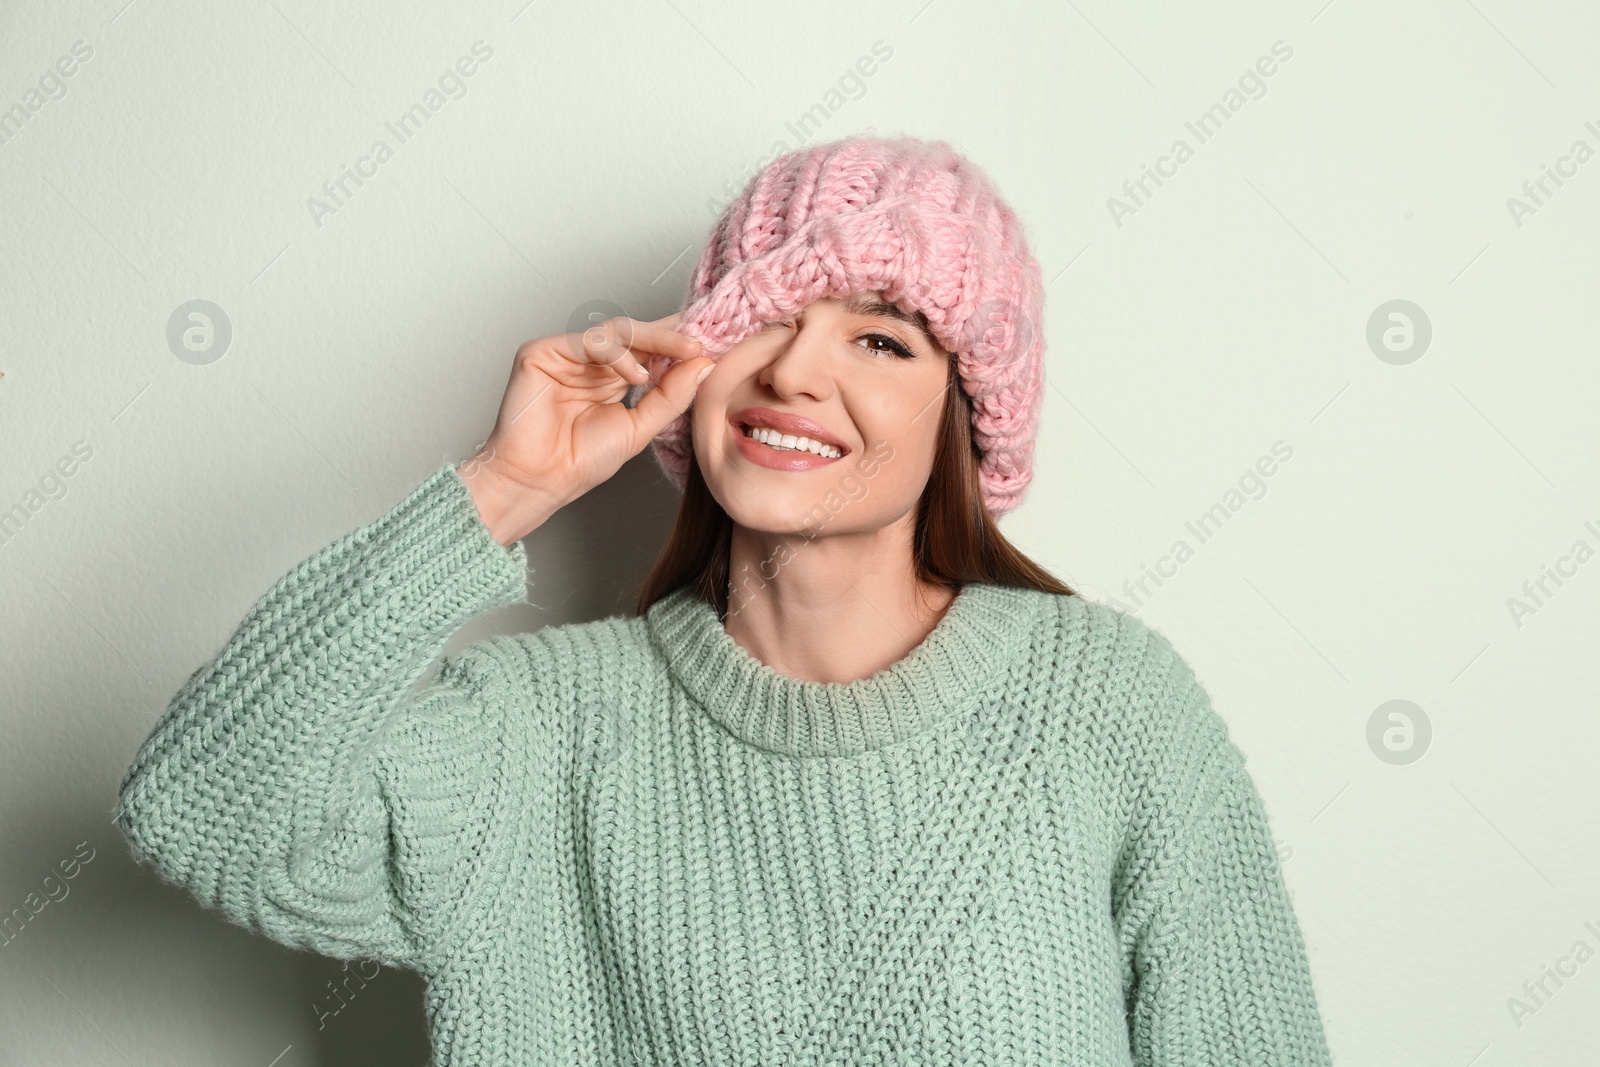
585,161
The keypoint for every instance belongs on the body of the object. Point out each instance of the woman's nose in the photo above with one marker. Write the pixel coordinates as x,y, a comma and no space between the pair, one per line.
802,364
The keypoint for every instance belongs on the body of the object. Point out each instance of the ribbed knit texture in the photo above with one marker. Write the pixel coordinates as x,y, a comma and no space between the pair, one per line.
1030,841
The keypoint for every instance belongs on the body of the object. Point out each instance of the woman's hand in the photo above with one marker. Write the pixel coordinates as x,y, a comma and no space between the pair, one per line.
561,431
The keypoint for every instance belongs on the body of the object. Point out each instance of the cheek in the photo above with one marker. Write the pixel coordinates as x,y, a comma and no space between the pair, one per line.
731,375
909,420
899,452
709,408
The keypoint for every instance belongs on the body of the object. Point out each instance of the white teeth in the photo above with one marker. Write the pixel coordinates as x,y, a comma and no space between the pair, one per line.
774,439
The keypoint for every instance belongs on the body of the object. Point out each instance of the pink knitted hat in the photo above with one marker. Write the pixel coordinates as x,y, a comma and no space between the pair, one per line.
911,219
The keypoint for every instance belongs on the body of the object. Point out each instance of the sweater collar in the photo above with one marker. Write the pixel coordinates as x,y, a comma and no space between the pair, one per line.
979,634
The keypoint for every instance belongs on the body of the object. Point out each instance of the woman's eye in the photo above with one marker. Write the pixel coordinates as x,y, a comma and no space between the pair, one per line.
890,347
894,346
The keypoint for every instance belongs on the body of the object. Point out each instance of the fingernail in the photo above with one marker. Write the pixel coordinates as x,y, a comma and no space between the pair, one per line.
703,372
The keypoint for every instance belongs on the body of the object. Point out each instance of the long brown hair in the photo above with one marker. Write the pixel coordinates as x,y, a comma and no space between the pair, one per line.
955,539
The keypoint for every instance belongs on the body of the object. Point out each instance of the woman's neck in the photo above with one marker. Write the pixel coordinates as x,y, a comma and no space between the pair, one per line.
828,610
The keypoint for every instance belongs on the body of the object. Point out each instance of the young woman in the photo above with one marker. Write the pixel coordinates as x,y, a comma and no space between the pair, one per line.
859,784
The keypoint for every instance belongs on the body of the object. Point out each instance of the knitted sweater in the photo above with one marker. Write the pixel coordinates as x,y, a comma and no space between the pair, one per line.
1029,841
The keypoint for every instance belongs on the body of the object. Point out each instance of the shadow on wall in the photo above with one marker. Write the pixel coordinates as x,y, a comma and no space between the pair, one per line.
117,951
590,559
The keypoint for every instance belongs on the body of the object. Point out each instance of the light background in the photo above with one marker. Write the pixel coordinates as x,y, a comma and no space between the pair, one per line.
586,161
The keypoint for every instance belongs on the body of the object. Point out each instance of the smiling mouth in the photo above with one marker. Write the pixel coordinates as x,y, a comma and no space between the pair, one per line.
790,442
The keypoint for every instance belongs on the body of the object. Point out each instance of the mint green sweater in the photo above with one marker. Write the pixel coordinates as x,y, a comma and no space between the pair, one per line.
628,841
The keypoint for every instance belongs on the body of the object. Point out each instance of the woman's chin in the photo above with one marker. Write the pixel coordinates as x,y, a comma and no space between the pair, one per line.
769,515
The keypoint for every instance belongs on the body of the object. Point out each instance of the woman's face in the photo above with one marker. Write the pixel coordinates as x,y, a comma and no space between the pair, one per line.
849,373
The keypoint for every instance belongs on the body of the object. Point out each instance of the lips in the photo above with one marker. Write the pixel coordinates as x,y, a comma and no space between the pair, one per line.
785,422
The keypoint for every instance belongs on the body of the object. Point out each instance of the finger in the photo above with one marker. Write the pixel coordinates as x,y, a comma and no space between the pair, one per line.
639,338
670,398
659,338
652,339
606,344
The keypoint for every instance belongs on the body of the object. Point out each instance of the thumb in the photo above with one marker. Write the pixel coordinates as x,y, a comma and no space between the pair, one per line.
669,397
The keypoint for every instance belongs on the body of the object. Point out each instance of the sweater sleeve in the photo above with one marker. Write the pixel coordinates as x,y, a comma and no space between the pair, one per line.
303,783
1216,972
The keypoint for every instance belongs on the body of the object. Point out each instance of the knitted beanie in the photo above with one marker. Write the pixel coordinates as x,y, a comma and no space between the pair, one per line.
913,220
